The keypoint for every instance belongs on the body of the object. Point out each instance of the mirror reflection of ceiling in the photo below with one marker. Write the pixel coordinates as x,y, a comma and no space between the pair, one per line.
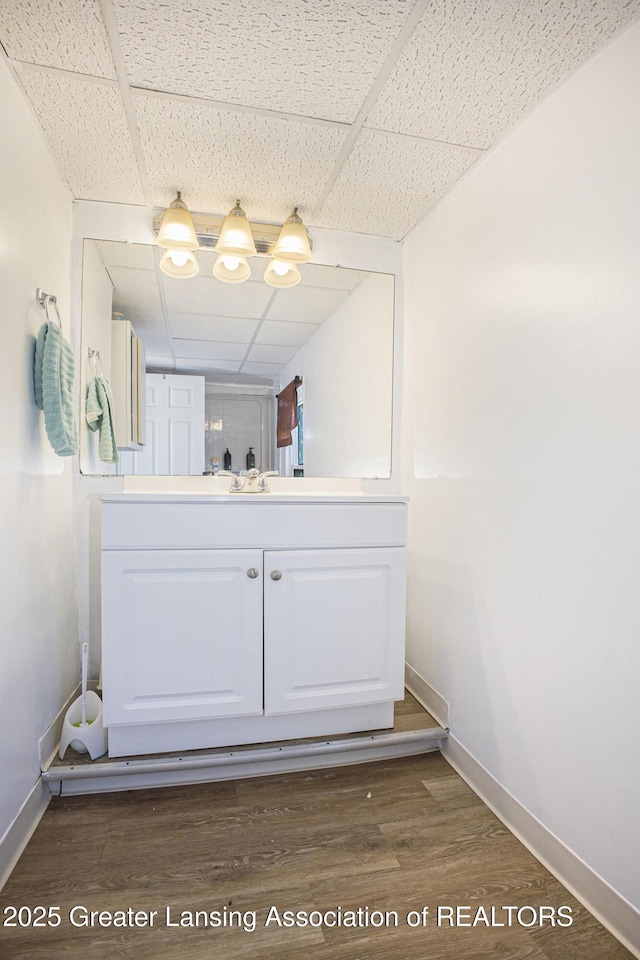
363,113
248,331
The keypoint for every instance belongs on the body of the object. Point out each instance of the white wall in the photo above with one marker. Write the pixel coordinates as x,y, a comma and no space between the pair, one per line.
522,458
347,427
38,641
97,298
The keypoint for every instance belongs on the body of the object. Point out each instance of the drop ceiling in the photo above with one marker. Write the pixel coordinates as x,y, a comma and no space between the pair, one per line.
245,332
363,113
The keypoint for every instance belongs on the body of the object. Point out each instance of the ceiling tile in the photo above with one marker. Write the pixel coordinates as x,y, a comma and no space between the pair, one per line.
208,350
147,324
157,353
57,33
266,370
191,366
97,167
135,289
142,319
289,334
263,353
198,326
471,70
314,59
115,253
270,164
296,304
335,278
389,183
211,297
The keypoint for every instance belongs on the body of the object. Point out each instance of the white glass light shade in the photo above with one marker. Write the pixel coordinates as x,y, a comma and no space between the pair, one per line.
180,264
176,230
231,269
236,239
281,274
293,243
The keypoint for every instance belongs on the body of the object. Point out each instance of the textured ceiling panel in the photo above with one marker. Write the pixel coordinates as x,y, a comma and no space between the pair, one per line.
472,69
207,350
197,326
263,353
157,353
315,58
196,366
135,289
264,370
66,34
87,130
218,156
389,182
138,256
289,334
149,326
214,298
299,305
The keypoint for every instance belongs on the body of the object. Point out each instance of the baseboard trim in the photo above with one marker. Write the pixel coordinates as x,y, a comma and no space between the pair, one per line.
21,830
433,702
50,739
612,910
133,774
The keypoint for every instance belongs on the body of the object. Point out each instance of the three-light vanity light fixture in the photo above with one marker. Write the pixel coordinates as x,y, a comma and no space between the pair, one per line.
235,241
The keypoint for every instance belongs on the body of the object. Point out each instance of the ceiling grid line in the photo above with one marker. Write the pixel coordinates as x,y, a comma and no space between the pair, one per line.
125,91
412,137
363,112
157,252
392,57
237,107
67,74
257,329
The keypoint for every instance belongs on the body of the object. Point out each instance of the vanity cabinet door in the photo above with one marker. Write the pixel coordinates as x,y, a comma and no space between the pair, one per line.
182,634
334,628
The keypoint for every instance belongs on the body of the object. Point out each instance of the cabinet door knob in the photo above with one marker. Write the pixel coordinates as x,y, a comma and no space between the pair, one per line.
276,575
252,573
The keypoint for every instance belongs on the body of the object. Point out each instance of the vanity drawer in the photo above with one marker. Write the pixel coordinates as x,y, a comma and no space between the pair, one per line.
269,525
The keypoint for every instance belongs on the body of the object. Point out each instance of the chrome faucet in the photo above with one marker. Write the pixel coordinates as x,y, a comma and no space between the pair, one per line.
236,482
252,482
263,482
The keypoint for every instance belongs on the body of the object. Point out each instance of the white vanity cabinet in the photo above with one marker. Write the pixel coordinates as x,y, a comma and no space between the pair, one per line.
182,634
248,619
329,622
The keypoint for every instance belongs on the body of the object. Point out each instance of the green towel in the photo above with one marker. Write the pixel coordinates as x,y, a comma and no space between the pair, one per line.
54,376
99,415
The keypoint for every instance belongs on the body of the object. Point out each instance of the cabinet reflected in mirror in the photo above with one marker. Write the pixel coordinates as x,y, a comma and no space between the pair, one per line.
196,366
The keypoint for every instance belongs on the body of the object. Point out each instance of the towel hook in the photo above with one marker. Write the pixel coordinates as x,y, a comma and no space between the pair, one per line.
44,299
94,355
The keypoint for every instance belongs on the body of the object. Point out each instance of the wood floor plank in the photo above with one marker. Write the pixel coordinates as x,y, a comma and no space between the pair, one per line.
392,836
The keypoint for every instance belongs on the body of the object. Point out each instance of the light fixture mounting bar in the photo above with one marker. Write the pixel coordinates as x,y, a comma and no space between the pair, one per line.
208,226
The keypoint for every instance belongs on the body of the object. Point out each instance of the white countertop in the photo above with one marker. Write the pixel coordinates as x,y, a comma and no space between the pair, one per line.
175,496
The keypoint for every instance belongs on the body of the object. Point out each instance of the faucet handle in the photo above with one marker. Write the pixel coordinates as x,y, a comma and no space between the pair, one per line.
236,482
264,483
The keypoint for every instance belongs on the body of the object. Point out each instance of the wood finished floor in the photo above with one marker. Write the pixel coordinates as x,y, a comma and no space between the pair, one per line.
393,835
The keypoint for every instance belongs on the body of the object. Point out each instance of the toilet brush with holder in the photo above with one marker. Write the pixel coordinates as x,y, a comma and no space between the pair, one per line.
83,729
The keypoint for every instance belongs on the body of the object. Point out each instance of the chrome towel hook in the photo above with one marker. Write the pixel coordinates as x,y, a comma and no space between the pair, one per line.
44,299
